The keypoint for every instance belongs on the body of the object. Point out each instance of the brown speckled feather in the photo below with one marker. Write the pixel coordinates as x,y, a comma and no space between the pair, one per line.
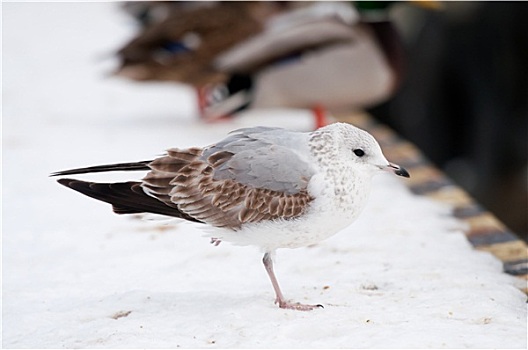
184,179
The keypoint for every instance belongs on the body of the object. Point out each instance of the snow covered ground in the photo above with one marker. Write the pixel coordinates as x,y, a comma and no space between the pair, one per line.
77,276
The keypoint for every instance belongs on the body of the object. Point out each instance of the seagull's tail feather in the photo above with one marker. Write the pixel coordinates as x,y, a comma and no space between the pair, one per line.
125,197
103,168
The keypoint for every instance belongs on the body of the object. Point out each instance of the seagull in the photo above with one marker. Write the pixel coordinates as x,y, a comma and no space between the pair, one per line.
262,186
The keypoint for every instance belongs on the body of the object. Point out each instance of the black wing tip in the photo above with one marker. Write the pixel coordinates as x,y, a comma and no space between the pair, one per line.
64,181
125,197
77,185
134,166
56,173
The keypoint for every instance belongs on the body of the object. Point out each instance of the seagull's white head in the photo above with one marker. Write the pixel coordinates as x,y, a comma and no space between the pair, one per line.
361,148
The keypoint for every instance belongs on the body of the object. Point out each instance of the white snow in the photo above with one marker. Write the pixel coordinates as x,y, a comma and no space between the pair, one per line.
77,276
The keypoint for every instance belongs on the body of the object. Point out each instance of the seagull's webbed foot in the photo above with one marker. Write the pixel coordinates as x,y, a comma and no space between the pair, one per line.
284,304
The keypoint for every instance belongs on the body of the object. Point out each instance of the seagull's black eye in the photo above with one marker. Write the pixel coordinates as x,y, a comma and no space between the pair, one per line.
359,152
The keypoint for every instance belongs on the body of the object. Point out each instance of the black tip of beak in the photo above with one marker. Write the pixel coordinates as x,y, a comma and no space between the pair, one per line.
398,170
402,172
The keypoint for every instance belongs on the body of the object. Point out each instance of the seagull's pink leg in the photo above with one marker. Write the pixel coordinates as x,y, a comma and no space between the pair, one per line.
283,303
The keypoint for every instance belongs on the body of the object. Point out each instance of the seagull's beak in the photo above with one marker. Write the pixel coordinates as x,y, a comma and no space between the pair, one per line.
396,169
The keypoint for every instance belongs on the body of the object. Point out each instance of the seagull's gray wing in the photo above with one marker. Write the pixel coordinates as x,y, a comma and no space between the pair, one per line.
260,158
253,175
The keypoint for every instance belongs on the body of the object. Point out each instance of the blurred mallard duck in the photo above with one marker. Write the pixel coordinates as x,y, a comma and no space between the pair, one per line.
183,46
331,55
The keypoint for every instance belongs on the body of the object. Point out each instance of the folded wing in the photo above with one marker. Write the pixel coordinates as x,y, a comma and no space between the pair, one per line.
251,176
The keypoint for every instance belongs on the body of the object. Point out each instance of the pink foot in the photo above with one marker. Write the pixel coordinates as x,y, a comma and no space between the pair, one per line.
297,306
